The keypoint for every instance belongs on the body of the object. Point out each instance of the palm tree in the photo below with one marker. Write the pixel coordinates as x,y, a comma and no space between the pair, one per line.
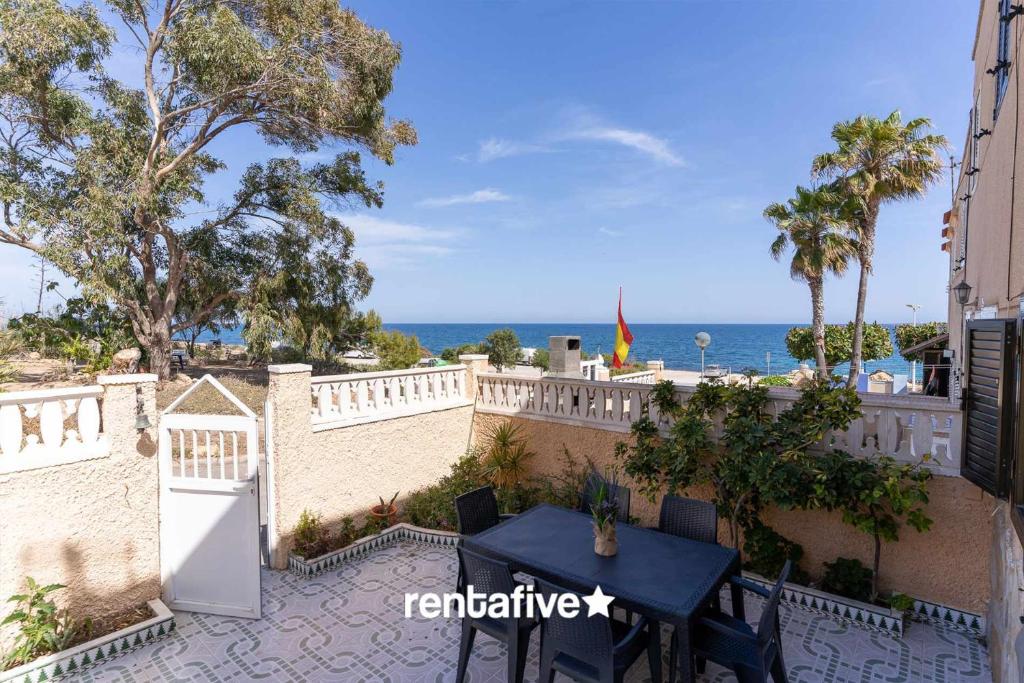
878,161
812,222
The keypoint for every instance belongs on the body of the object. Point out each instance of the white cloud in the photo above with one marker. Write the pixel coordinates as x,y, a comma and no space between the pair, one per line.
496,148
384,243
483,196
610,233
643,142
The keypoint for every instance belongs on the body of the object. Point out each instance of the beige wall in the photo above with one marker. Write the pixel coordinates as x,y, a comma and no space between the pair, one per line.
994,224
948,564
91,525
1004,616
341,472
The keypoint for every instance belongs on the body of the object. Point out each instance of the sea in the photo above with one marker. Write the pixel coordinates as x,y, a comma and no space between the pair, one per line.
736,346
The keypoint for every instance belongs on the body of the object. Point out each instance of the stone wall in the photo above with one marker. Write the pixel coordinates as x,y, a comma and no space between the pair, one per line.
92,525
342,471
948,564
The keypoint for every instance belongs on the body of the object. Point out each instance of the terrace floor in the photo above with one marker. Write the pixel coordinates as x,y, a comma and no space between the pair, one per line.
348,625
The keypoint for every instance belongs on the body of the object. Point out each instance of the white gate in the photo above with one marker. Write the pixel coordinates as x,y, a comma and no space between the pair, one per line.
209,509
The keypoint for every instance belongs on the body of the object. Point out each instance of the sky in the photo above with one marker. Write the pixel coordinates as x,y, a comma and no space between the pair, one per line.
568,149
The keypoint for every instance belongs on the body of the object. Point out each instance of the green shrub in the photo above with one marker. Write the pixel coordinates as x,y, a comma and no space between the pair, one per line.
767,550
10,345
433,507
312,538
775,381
452,353
849,578
42,628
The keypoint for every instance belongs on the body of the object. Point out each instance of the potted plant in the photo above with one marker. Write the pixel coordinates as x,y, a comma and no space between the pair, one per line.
605,511
386,511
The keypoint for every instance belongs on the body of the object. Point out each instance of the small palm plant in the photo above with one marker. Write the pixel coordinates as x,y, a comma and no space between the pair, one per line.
504,460
604,510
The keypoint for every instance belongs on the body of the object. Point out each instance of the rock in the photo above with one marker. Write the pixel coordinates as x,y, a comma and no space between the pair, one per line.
126,361
34,355
801,377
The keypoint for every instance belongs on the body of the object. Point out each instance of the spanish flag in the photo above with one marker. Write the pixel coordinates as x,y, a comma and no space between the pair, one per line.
623,338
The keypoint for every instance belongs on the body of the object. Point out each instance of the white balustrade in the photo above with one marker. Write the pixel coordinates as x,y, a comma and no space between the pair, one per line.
642,377
908,428
340,400
34,432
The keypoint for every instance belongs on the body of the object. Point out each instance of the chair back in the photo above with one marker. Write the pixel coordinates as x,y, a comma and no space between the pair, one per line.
770,612
476,511
588,639
689,518
487,576
590,490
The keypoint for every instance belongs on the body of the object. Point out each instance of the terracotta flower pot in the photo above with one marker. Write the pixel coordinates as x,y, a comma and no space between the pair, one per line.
605,542
390,514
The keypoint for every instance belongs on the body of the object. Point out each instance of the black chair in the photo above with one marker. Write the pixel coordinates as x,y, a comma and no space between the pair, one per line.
488,576
698,521
594,649
732,643
476,511
591,488
689,518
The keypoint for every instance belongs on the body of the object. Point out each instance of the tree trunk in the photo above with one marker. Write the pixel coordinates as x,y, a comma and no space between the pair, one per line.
818,324
158,349
865,252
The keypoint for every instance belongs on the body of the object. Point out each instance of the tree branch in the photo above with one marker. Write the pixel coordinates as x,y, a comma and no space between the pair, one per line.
203,313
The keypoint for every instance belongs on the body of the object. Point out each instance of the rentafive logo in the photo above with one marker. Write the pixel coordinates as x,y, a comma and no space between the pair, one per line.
523,602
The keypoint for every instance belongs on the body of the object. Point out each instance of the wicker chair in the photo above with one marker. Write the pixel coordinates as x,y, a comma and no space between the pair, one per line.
689,518
594,649
489,576
476,511
732,643
593,485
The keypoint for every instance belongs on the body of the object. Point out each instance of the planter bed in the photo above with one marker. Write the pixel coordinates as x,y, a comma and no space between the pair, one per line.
399,532
97,650
875,617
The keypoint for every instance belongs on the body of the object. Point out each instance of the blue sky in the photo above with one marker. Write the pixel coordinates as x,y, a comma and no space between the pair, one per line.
569,148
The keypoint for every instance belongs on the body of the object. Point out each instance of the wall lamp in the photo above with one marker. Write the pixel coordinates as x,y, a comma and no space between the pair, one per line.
982,133
962,292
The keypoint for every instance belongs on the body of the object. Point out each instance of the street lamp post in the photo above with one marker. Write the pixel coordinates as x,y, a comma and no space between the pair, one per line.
913,363
702,340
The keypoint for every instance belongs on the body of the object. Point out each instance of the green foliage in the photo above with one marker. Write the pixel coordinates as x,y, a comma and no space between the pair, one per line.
312,538
10,346
766,552
908,335
541,359
775,381
102,176
81,330
502,348
451,354
849,578
395,350
433,507
876,496
505,455
839,343
42,628
901,602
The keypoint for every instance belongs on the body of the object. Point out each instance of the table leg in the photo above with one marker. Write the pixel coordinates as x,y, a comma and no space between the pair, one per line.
684,655
738,610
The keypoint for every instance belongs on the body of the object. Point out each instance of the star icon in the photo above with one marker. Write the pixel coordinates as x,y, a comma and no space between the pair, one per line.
598,602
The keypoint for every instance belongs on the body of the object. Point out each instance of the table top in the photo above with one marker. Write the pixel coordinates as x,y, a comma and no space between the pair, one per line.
664,576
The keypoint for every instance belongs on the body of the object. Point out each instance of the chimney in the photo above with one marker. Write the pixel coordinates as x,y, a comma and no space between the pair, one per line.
564,355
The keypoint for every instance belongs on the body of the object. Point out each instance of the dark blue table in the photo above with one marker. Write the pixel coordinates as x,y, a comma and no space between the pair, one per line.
666,578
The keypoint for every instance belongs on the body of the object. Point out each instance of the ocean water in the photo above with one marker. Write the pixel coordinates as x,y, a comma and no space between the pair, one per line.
738,346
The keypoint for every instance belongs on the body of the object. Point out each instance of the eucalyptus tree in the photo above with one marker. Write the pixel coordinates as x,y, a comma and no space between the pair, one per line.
878,161
108,179
812,223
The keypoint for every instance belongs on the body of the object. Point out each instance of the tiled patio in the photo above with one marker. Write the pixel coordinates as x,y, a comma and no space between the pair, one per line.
349,625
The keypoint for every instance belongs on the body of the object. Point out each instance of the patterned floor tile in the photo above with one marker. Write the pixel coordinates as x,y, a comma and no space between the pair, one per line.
349,625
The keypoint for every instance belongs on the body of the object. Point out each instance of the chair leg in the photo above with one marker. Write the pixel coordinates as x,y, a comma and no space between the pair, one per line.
701,665
673,648
654,650
465,648
547,671
779,669
522,648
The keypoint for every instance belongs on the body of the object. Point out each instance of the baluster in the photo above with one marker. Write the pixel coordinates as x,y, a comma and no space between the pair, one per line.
221,454
181,452
435,388
617,405
51,424
10,429
89,420
195,453
362,396
323,400
234,452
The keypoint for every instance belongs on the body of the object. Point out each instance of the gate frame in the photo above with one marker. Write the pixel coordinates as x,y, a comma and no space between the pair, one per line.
246,423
